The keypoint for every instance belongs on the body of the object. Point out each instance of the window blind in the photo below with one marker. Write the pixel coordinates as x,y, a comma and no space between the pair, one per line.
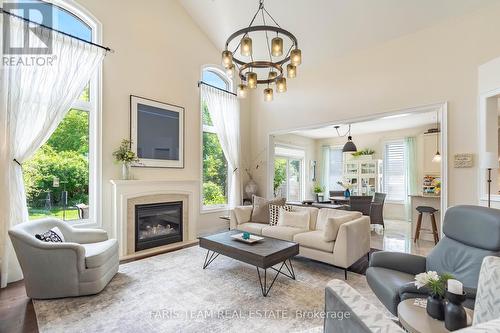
394,170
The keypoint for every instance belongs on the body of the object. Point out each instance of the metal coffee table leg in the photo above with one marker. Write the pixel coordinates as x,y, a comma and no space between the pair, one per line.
263,284
208,260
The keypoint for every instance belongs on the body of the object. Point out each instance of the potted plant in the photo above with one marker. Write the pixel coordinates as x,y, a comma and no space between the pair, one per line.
364,152
436,285
347,186
125,156
319,190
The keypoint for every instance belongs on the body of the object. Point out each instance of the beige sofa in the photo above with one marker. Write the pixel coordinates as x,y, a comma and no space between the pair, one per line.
352,242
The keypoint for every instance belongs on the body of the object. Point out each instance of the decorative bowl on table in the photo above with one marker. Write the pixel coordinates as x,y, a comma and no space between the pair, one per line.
249,240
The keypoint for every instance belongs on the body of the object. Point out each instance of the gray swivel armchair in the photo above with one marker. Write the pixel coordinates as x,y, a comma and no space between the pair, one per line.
471,233
340,298
81,265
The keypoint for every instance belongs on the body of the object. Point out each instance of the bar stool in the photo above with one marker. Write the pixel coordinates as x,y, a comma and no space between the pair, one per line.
429,210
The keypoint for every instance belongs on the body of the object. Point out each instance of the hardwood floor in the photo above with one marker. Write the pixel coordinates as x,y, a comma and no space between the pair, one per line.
17,313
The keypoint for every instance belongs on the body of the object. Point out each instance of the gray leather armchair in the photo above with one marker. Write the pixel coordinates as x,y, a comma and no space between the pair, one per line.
81,265
471,233
340,298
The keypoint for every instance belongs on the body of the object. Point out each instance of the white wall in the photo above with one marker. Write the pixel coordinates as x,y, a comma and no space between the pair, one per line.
159,52
433,65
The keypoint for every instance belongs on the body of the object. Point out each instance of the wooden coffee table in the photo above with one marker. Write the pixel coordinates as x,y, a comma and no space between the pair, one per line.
263,255
415,319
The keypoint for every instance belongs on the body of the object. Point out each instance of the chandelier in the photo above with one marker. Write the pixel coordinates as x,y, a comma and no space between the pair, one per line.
268,71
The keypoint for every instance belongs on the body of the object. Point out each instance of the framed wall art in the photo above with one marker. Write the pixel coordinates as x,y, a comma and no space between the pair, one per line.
157,133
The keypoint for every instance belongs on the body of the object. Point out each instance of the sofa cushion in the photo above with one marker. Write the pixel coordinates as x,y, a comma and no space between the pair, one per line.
282,232
253,228
325,213
313,214
274,212
242,214
294,219
260,212
385,283
332,226
96,254
314,240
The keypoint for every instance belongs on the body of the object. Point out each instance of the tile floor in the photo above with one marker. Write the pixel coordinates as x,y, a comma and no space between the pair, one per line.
397,237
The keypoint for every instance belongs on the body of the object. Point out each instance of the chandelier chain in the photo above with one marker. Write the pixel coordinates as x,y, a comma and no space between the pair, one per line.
267,36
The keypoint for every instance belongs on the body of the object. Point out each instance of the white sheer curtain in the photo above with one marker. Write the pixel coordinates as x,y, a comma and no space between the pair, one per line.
34,99
224,111
325,169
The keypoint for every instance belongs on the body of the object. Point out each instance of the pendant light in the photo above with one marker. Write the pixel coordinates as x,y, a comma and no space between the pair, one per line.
241,91
277,46
252,80
246,46
349,145
268,95
291,71
437,157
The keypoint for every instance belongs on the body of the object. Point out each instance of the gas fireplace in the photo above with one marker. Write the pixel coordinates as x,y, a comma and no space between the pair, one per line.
157,224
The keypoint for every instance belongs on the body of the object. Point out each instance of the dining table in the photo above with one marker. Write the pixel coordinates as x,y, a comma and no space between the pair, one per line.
339,199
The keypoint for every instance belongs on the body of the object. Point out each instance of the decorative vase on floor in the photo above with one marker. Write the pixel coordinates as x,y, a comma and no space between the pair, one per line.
435,307
125,171
347,193
251,188
455,316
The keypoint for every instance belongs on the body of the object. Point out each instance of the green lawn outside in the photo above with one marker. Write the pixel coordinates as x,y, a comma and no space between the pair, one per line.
71,213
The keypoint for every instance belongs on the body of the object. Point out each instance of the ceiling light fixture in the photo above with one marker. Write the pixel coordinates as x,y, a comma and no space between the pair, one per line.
349,146
437,157
273,67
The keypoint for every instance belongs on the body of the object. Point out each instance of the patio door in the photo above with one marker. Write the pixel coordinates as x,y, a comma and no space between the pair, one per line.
289,174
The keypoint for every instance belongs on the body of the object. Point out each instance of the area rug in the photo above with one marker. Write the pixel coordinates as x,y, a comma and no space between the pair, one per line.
172,293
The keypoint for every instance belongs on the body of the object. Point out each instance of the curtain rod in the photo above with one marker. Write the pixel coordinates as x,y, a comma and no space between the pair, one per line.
59,31
207,84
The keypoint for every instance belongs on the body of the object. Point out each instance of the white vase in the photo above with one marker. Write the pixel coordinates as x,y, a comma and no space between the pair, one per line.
125,171
251,188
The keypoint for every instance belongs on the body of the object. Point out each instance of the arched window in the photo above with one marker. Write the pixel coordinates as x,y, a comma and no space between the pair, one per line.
62,178
215,168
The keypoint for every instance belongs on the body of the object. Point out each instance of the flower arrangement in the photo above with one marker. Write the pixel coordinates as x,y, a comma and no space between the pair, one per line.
345,185
123,154
433,281
318,188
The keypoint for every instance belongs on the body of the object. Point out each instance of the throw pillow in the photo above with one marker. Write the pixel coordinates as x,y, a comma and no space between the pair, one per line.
332,226
294,219
53,235
260,212
274,212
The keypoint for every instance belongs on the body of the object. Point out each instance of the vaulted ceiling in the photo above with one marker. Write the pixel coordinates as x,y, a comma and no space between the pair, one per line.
329,28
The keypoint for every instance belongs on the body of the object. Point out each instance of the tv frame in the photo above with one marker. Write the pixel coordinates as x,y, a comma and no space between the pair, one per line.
156,163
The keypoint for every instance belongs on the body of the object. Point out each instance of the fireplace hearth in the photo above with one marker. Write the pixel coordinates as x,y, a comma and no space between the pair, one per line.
158,224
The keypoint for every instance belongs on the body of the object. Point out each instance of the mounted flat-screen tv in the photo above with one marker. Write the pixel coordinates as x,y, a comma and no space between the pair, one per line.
157,133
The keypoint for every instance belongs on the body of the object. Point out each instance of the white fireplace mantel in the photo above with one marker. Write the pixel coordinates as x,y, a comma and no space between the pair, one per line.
124,190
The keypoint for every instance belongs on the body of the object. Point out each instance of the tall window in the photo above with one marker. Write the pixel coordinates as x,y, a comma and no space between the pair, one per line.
394,170
335,168
289,173
215,168
61,177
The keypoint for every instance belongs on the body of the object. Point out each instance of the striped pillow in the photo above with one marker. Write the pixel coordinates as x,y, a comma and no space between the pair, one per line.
274,213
